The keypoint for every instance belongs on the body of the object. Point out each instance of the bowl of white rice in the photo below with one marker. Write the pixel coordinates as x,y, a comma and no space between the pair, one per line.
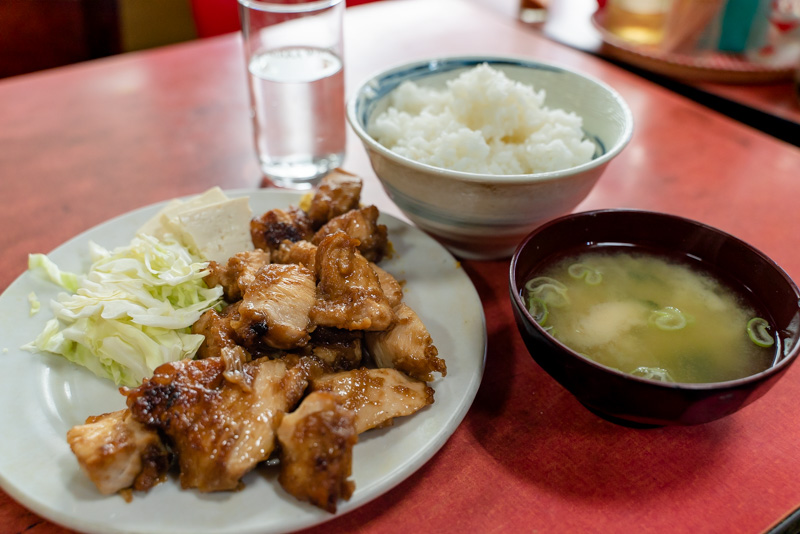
478,151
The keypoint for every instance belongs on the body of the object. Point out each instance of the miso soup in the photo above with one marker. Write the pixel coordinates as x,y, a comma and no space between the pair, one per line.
651,315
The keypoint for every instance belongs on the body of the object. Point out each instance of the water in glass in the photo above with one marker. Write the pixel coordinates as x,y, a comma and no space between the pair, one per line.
297,101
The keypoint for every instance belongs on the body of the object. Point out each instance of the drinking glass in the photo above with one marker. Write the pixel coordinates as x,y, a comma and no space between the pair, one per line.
293,53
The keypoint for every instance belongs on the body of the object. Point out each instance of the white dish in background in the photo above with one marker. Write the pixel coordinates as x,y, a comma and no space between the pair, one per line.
45,395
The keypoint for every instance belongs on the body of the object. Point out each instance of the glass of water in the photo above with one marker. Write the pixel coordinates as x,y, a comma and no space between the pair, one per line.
293,51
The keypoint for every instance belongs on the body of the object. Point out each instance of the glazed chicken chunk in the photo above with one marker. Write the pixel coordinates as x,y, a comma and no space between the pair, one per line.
217,333
300,252
316,444
376,395
273,227
361,224
338,192
219,429
275,308
406,346
349,295
117,452
237,274
340,350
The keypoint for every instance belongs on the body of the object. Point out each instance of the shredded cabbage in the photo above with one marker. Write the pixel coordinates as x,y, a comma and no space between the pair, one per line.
45,266
131,312
33,300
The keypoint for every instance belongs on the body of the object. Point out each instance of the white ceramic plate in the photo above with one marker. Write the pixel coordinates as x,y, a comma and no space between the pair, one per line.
44,395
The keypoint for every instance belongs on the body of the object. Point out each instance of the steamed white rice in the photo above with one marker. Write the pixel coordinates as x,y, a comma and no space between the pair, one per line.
483,122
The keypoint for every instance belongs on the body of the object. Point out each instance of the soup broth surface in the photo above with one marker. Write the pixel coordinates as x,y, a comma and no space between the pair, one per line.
649,315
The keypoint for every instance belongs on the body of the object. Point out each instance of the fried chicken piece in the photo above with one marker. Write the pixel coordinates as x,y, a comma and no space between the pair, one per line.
117,452
339,349
376,396
237,274
406,346
300,252
316,443
219,429
270,229
337,193
217,331
275,308
389,285
349,295
361,224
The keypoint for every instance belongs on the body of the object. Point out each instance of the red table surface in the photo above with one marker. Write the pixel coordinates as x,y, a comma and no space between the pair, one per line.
82,144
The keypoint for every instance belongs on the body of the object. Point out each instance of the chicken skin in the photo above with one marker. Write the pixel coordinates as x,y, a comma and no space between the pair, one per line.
376,396
117,452
316,443
406,346
220,430
349,295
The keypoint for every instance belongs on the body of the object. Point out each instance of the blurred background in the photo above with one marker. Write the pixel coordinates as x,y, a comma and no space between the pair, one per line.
41,34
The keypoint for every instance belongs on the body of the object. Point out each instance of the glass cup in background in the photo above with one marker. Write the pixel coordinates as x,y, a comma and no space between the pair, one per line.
664,26
293,53
533,11
641,22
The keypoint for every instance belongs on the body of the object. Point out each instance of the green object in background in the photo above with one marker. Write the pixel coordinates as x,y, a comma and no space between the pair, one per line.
151,23
737,20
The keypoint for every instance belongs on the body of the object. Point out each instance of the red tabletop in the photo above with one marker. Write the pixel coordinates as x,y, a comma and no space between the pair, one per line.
82,144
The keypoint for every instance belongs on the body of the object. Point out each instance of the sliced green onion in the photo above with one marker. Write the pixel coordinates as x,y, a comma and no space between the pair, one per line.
549,290
653,373
538,309
668,318
581,270
758,331
534,283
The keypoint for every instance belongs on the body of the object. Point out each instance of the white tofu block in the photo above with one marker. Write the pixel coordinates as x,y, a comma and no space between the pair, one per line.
159,224
216,231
